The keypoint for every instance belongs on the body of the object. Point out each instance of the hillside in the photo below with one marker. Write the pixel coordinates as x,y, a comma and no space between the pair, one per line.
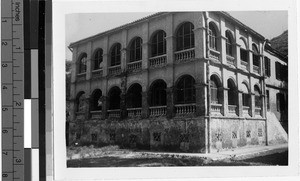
280,43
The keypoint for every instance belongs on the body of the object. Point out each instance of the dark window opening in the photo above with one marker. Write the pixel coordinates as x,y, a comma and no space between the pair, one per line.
267,67
185,36
246,96
94,137
232,93
135,52
185,90
158,93
248,134
215,90
157,136
115,58
132,139
229,43
97,59
257,97
212,37
280,102
114,98
96,100
244,55
158,44
268,100
255,55
234,135
80,102
112,136
82,63
78,136
134,96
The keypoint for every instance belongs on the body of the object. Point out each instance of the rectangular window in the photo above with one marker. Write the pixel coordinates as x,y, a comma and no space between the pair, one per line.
268,100
246,100
256,60
214,95
267,67
280,102
244,55
278,70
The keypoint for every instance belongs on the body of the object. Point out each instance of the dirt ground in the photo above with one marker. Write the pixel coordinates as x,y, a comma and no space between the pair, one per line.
113,156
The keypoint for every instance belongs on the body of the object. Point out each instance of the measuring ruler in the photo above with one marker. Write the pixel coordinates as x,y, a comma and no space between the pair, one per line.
12,85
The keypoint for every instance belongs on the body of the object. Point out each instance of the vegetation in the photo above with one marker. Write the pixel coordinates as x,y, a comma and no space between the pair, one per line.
280,43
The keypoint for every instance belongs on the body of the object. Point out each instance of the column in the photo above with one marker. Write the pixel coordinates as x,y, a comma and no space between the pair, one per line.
105,60
72,110
263,106
73,65
240,103
124,50
87,109
223,41
237,47
250,54
145,105
201,100
104,106
199,34
89,61
252,104
123,97
170,102
225,101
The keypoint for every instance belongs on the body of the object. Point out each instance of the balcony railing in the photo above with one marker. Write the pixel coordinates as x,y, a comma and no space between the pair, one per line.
96,114
116,113
158,61
257,111
230,60
97,73
80,115
114,70
134,66
246,110
158,110
232,109
134,112
185,108
256,69
81,76
216,108
214,54
185,55
244,64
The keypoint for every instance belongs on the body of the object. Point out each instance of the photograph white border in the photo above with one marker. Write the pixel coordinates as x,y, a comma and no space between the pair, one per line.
60,170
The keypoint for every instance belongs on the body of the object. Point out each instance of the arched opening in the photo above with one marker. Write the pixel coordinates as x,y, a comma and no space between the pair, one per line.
80,102
245,95
229,43
185,36
213,36
158,44
134,96
97,59
255,55
158,95
114,98
232,93
96,103
135,50
257,96
185,90
243,51
82,63
216,92
115,55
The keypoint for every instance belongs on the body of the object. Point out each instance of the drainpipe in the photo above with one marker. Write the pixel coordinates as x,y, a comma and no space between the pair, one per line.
264,89
207,123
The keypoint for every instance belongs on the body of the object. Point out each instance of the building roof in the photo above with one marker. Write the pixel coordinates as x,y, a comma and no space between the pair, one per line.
227,16
276,52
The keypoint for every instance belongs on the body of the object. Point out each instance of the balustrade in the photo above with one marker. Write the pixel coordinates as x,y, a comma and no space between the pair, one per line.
246,110
158,110
97,73
158,61
257,111
81,77
244,64
185,108
214,54
256,69
232,109
216,108
114,70
184,55
96,114
134,112
134,66
230,60
116,113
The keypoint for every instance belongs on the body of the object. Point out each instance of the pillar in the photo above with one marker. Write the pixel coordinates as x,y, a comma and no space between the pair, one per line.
225,101
250,54
240,103
252,104
263,106
123,105
223,41
89,61
104,106
201,100
145,105
73,65
87,109
170,102
72,110
237,47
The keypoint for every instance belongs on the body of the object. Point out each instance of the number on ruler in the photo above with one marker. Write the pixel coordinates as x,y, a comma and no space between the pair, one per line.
4,43
4,175
4,109
4,87
4,131
4,152
4,65
18,103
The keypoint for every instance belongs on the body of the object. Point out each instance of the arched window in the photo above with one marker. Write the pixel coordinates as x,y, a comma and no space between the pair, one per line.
96,103
135,52
115,55
257,96
80,102
212,36
232,93
134,96
229,42
82,63
245,95
185,36
255,55
185,90
158,95
114,98
216,93
97,59
158,44
243,50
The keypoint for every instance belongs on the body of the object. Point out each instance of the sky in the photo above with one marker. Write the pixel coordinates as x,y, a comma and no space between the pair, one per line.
78,26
